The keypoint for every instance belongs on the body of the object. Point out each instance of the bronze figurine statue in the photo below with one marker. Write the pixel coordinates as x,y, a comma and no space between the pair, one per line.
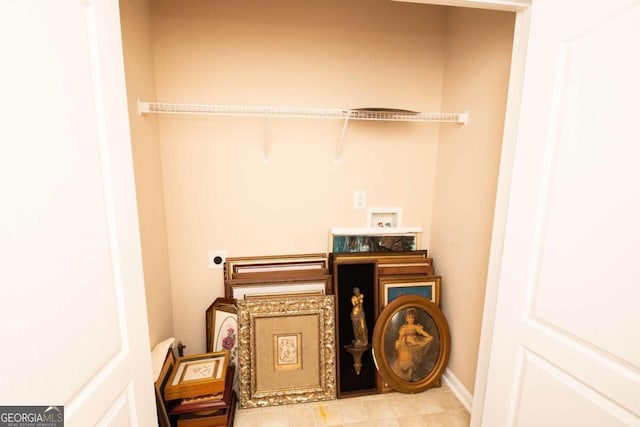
358,320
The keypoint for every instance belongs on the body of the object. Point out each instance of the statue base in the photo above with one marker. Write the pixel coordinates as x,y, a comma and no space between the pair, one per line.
357,352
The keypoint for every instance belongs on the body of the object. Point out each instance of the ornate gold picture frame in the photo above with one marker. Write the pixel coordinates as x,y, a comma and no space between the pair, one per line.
286,350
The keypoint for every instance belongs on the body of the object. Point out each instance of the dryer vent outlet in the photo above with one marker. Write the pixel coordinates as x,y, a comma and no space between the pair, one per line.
217,259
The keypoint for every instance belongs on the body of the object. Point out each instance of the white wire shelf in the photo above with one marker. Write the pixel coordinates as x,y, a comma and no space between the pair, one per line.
382,114
371,114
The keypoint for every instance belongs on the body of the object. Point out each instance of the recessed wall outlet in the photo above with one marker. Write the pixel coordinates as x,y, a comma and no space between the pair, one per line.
359,199
217,259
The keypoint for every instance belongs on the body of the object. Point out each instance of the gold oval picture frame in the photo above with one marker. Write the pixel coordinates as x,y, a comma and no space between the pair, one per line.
411,343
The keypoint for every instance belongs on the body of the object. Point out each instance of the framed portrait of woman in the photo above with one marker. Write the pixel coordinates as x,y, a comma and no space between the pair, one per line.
411,343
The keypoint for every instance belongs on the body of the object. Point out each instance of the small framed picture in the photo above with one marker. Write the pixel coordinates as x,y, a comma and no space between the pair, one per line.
197,375
384,217
394,287
287,352
411,343
222,327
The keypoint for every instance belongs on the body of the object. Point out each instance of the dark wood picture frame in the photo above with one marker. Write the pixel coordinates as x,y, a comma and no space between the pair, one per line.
282,274
409,265
348,273
393,263
210,410
411,343
237,288
237,266
164,419
198,374
394,286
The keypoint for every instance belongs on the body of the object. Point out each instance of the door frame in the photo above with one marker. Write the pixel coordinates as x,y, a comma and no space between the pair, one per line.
503,191
522,9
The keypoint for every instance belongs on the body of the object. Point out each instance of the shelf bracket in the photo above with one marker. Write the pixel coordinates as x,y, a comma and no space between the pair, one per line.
344,130
463,117
143,107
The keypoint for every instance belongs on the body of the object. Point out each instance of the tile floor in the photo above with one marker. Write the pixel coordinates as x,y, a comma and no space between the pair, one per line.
437,407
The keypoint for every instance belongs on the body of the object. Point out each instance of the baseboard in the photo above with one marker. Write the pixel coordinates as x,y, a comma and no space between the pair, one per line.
458,389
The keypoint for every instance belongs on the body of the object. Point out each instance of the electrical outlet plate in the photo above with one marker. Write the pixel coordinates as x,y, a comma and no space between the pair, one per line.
359,199
217,259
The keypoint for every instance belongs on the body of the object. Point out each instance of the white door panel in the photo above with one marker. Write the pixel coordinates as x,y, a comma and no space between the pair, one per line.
73,306
578,405
590,241
580,360
118,414
565,341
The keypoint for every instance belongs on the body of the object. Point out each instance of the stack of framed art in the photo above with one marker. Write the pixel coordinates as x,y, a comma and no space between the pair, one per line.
260,276
196,391
310,327
277,319
381,278
210,411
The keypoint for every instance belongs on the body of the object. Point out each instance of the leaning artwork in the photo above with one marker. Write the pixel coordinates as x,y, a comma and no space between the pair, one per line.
411,343
286,351
411,358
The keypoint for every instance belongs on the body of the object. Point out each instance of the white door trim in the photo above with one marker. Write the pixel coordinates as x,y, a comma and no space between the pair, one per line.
506,5
518,56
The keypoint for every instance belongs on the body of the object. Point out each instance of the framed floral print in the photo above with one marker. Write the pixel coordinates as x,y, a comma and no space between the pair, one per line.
222,327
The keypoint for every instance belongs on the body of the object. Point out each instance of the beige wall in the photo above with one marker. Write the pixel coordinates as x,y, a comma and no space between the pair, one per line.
136,37
207,174
331,54
476,73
